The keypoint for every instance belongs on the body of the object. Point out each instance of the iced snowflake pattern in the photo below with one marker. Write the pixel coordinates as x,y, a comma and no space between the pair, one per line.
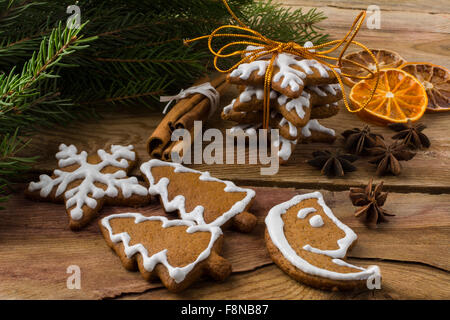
87,193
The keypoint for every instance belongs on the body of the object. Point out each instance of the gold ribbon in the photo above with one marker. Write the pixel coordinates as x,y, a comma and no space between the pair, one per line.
269,47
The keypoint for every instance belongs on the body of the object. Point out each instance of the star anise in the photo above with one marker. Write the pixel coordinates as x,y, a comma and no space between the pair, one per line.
411,134
388,157
371,201
333,164
358,140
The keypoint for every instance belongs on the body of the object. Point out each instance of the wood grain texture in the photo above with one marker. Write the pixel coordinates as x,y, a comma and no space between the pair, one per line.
37,247
270,283
406,6
412,250
427,172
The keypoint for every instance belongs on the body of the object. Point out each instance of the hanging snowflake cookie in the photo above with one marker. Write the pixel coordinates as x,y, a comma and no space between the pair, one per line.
199,197
290,74
86,182
309,243
176,251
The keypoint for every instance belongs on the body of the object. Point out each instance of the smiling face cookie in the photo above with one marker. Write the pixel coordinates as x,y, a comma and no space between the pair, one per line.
308,242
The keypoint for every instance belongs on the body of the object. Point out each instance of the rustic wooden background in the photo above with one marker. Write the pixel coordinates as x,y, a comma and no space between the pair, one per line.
412,250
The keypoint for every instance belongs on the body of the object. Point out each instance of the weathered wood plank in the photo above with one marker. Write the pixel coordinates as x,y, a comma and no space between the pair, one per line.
37,245
406,6
270,283
427,172
426,41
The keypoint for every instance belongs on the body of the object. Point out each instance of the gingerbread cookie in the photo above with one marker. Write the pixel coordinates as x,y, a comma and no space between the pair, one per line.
176,251
324,94
251,99
86,182
325,111
248,130
287,129
315,132
308,242
296,111
285,147
290,74
240,116
199,197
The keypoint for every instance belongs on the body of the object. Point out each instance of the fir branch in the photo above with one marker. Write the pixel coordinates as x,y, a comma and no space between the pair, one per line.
10,164
137,56
21,99
284,24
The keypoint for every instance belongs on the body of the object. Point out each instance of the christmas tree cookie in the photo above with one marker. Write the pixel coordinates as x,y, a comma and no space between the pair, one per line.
86,182
176,251
198,197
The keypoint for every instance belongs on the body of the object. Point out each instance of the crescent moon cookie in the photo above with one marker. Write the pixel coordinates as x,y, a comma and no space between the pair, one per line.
198,197
176,251
308,242
86,182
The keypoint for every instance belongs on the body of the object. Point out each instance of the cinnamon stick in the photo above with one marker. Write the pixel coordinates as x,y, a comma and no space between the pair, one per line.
191,102
161,136
178,147
198,112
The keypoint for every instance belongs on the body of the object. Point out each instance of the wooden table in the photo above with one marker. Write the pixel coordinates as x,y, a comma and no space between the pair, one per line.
412,250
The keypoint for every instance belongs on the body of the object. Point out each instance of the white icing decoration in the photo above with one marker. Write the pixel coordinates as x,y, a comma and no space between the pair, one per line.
149,262
286,148
275,227
246,69
298,103
316,221
247,129
227,109
249,92
309,44
291,77
292,129
322,90
178,202
314,125
87,191
302,213
283,121
249,48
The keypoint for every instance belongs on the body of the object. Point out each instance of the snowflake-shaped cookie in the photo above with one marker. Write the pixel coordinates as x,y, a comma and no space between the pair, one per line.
85,182
291,74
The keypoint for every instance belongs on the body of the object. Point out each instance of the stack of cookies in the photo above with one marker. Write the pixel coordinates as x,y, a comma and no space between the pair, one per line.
303,91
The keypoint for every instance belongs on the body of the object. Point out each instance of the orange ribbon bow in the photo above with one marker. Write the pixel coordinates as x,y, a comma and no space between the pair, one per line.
269,47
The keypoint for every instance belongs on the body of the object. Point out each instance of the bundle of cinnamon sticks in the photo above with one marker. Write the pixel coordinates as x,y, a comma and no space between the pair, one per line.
195,107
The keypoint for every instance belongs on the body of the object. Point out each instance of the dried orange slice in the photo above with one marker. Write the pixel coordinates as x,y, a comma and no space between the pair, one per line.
436,80
399,97
385,58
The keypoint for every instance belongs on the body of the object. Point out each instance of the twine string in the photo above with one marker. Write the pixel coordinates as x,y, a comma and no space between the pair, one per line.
242,35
